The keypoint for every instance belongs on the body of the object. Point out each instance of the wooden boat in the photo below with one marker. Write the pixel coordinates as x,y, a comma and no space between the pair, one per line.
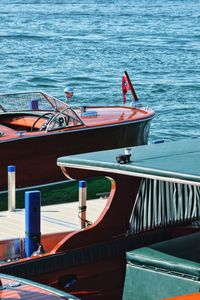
35,129
145,243
12,287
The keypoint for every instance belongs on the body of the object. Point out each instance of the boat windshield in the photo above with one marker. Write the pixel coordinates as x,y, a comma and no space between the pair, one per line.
30,101
39,102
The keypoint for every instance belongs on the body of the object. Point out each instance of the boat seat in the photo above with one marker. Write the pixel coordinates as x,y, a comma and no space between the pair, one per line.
180,254
164,268
21,121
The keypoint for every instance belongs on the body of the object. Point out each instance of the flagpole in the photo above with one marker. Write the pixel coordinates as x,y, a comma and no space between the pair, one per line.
131,87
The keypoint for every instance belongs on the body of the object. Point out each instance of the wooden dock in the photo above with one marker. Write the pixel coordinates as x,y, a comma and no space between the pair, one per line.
54,218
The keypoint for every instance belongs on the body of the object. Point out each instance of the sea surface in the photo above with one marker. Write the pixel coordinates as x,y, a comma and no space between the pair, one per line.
49,44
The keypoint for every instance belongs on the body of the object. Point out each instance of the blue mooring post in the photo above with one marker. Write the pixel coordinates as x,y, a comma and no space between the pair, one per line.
32,221
82,203
11,188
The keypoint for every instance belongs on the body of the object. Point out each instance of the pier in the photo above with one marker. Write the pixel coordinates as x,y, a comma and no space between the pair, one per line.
54,218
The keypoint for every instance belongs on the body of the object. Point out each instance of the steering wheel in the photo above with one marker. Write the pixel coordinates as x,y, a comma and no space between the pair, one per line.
40,117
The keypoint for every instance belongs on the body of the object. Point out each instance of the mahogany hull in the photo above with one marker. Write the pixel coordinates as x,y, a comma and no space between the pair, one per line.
90,263
35,157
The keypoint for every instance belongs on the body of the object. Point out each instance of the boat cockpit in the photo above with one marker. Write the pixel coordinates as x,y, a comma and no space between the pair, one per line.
36,111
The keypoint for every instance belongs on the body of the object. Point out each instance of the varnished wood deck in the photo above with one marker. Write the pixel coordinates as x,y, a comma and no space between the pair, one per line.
19,288
54,218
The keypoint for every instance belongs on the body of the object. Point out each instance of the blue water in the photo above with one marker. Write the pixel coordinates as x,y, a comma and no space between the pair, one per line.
48,44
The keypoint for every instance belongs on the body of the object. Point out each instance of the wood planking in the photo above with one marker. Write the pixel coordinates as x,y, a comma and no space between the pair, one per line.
54,218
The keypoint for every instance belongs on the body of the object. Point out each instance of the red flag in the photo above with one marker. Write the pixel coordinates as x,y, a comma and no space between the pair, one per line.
125,86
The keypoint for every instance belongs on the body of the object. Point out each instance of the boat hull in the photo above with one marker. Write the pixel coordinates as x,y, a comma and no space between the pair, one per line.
35,157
